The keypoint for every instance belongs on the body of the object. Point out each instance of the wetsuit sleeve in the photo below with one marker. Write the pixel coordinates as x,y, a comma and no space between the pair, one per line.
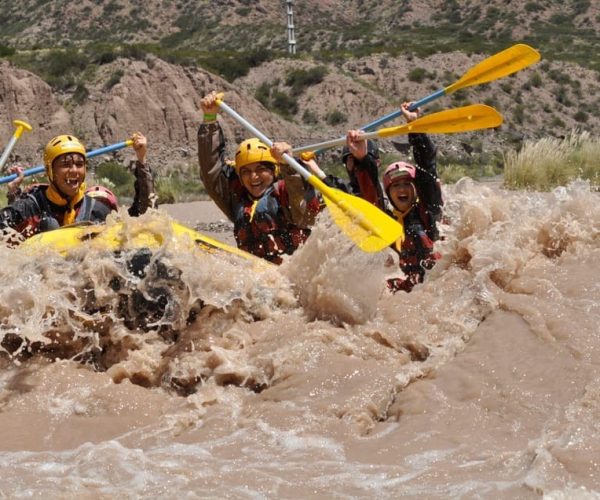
427,182
214,173
304,205
18,214
365,179
145,196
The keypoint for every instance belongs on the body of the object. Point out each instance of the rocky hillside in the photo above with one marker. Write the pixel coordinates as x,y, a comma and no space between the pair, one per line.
103,70
565,27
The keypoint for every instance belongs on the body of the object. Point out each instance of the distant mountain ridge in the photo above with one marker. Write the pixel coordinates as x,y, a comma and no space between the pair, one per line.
566,29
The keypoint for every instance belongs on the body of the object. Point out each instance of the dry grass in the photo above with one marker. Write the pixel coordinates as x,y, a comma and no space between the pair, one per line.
552,162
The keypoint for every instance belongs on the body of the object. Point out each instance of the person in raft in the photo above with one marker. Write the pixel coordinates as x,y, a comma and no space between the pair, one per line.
362,162
415,195
66,199
271,207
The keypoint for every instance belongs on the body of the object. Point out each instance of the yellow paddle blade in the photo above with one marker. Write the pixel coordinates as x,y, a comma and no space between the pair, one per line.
368,227
450,121
502,64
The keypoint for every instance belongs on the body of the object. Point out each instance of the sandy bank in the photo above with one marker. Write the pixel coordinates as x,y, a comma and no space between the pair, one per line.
204,216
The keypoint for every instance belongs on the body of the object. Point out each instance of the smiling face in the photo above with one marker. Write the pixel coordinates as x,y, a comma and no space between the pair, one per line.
402,194
257,178
68,173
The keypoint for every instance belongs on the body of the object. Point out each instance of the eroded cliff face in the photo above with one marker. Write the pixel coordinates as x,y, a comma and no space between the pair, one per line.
26,97
155,97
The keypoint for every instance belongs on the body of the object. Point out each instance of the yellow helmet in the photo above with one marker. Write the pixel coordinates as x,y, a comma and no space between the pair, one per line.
60,145
253,151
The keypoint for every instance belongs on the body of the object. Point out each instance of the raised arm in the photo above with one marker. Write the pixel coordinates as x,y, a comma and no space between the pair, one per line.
145,195
215,174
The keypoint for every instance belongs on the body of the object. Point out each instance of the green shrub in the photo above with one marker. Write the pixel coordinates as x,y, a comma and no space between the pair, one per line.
581,116
243,11
417,74
81,94
491,101
535,80
283,104
232,65
519,114
117,174
111,9
336,117
561,20
533,7
60,62
134,51
299,79
452,173
562,96
580,6
559,77
6,51
263,94
310,118
178,187
101,53
449,77
114,79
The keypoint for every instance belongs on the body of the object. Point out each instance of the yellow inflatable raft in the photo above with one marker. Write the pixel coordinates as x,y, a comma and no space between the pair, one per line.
135,233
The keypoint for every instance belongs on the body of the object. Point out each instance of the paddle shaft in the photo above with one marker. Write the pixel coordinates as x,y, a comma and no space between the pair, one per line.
450,121
290,160
333,142
415,105
21,127
91,154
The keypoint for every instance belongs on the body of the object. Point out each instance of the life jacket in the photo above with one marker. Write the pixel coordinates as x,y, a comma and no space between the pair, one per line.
42,215
262,227
416,254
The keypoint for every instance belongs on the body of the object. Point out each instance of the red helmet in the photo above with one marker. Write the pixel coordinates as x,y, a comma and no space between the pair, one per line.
396,171
102,194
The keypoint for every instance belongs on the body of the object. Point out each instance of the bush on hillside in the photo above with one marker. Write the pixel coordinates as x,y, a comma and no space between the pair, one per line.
299,79
232,65
118,175
6,51
283,104
114,78
179,187
81,94
263,94
417,74
336,117
309,117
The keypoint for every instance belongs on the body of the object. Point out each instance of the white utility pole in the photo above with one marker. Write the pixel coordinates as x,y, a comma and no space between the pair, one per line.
290,27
